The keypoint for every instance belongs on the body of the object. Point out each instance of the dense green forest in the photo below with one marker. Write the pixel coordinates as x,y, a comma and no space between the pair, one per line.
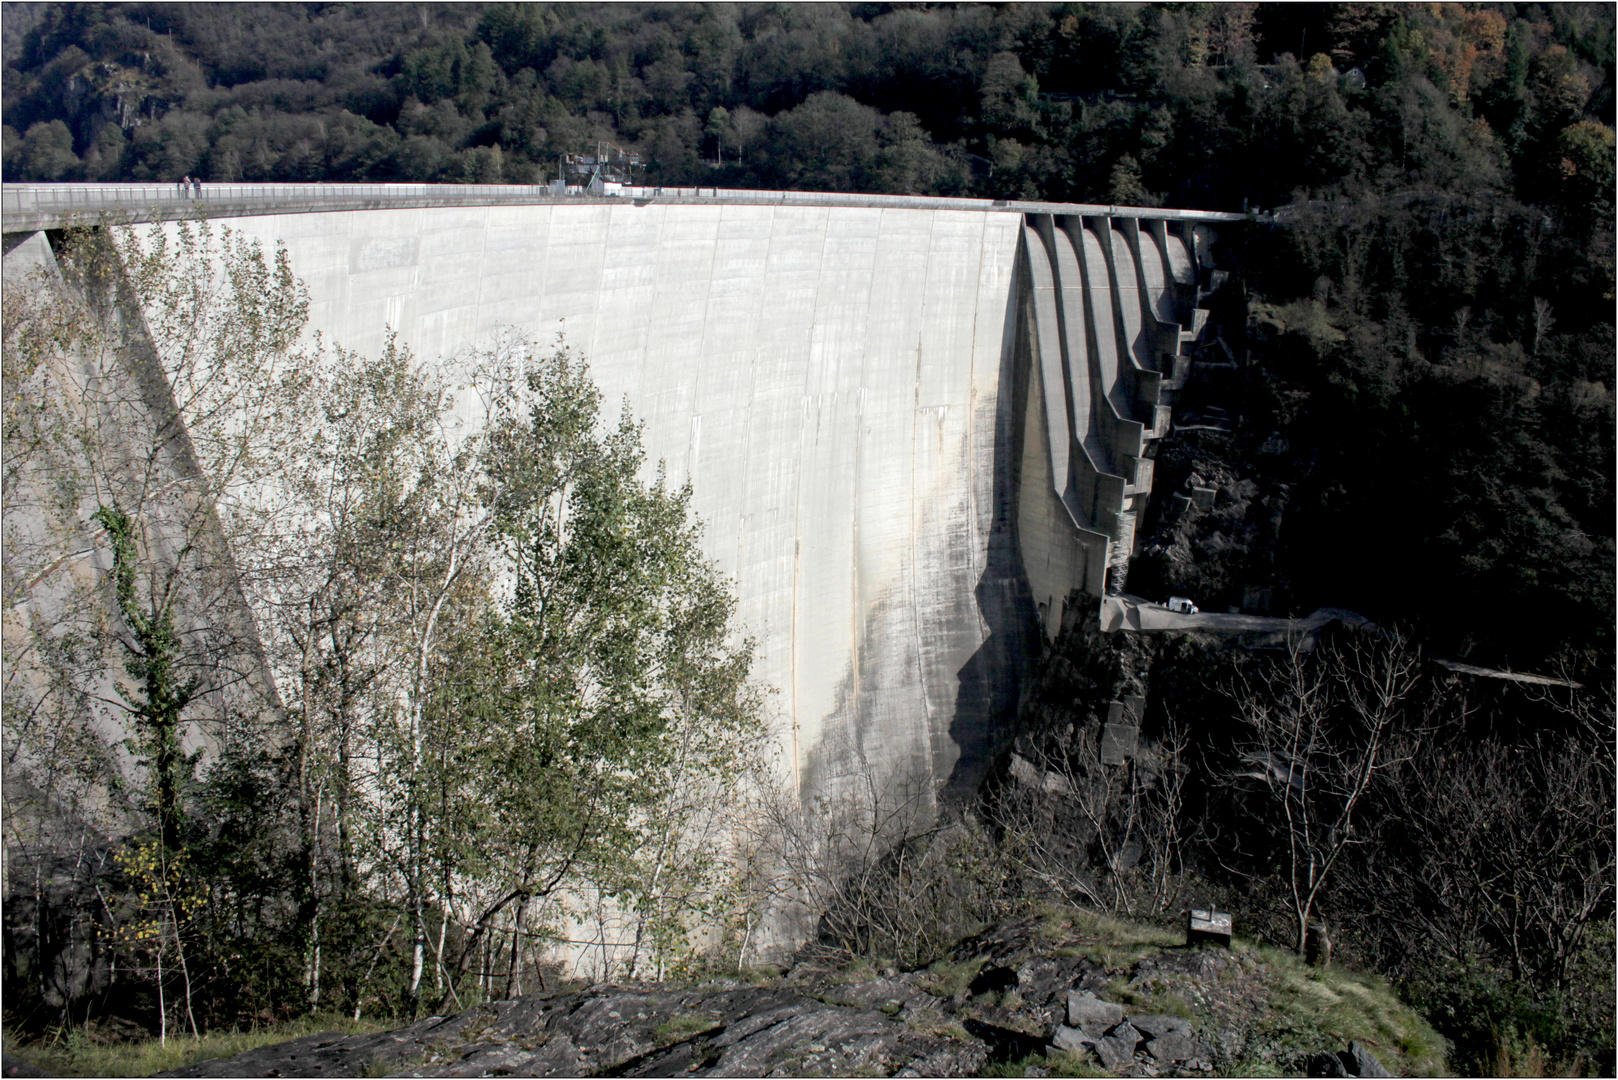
1421,319
1192,105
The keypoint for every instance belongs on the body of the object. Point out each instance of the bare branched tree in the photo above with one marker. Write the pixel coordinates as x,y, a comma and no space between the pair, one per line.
1321,726
1507,849
873,866
1106,836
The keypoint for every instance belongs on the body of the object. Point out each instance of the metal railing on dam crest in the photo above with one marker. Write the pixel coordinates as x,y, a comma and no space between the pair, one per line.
29,207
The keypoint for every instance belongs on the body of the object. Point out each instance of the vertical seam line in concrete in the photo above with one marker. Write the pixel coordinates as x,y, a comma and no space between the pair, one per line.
751,360
643,348
351,222
421,225
853,517
909,571
797,539
541,270
595,293
855,613
702,340
977,537
483,269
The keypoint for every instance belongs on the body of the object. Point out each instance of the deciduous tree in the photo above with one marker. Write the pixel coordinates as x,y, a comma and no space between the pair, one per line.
153,384
1321,726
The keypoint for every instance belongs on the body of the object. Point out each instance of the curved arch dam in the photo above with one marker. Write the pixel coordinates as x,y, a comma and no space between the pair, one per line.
917,430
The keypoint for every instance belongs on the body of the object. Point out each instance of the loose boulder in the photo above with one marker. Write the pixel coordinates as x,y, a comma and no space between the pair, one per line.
1116,1049
1355,1061
1156,1026
1085,1009
1171,1048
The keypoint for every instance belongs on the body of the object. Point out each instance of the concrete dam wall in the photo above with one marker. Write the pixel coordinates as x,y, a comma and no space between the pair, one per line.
914,428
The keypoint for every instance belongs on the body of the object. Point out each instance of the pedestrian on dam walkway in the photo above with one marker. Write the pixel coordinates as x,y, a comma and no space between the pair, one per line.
196,188
184,185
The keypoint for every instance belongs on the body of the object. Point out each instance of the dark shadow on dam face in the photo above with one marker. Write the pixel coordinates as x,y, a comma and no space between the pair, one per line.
991,680
990,683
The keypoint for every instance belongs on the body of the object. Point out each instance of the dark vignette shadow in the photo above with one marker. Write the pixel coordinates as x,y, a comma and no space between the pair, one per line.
991,680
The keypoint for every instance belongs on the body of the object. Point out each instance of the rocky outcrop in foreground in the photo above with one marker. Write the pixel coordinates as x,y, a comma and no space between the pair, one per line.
1042,992
623,1031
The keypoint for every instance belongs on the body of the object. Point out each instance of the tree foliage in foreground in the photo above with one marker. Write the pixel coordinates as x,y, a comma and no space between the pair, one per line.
131,438
327,699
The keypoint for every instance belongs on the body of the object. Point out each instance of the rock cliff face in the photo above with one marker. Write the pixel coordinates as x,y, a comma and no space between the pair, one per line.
1043,994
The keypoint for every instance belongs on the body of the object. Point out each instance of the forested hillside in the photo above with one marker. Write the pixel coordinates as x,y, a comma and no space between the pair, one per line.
1199,105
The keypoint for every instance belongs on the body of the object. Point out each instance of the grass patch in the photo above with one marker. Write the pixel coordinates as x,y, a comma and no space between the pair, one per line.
1062,1064
697,974
864,969
76,1054
944,979
945,1029
1110,942
1054,923
762,975
1157,1002
1249,1068
1313,1009
682,1026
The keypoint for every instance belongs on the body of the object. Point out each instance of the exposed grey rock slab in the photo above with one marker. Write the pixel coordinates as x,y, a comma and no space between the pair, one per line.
1173,1047
1072,1039
1155,1026
641,1032
1084,1008
1364,1062
958,1059
873,993
1116,1049
1355,1061
1325,1065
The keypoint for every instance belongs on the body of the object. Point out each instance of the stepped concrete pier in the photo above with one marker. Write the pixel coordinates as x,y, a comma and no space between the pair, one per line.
916,429
1109,305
